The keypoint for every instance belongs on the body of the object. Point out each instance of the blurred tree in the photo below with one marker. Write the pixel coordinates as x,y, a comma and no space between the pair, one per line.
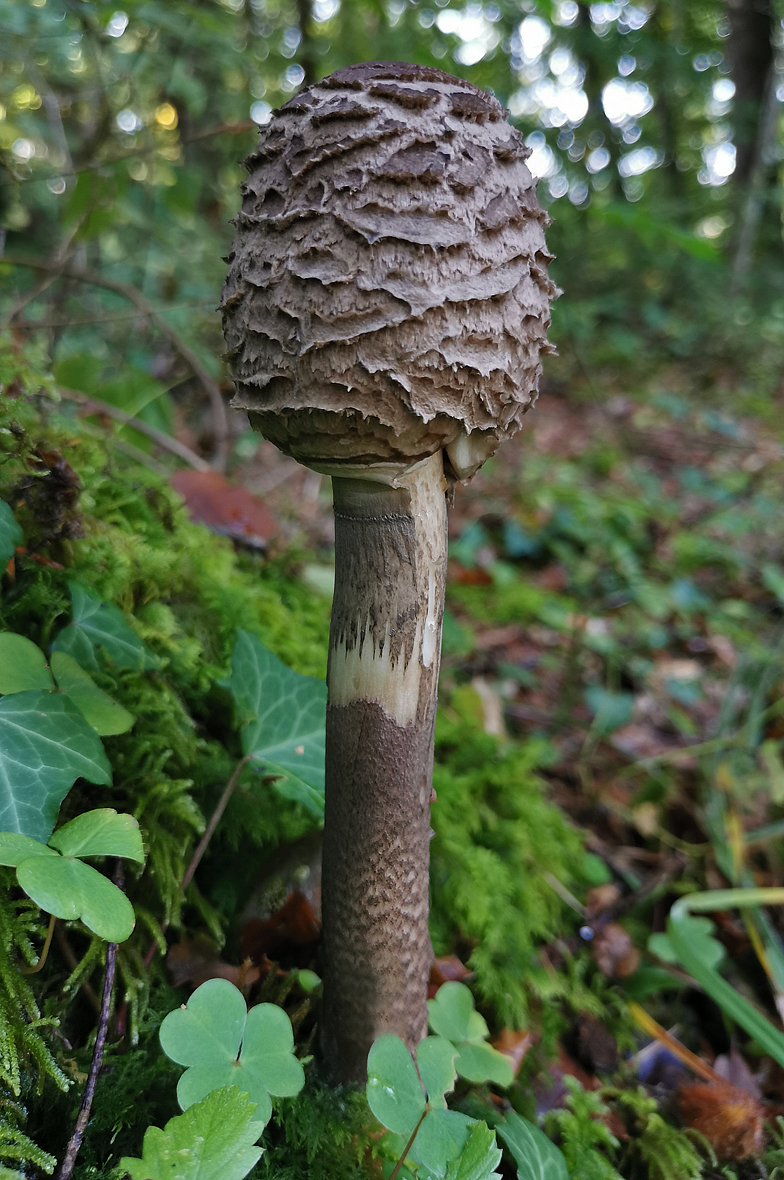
121,132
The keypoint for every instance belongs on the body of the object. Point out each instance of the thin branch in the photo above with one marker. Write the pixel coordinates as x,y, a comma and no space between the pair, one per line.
94,406
134,296
83,1118
201,847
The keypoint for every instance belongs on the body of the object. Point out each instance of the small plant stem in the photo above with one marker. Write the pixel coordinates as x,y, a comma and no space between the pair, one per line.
409,1145
36,967
220,807
201,847
82,1119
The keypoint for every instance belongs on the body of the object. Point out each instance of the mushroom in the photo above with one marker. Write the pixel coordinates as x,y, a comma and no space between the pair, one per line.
385,312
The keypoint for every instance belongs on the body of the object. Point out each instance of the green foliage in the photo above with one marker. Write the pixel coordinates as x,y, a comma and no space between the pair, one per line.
55,878
223,1044
100,629
451,1014
587,1143
283,719
45,745
496,836
479,1158
10,534
403,1103
666,1152
26,1062
536,1156
212,1140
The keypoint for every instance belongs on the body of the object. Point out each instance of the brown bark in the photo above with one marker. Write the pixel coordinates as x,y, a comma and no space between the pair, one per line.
390,555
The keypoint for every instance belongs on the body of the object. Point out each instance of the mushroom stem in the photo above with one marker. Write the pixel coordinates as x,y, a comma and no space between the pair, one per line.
384,654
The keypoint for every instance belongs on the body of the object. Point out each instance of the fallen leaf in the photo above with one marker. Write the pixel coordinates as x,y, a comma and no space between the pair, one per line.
195,960
294,922
225,508
601,897
514,1043
615,954
448,969
730,1119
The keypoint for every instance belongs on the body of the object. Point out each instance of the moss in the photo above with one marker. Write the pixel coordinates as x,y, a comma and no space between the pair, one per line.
496,836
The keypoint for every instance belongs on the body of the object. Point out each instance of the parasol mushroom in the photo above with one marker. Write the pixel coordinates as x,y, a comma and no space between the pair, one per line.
385,312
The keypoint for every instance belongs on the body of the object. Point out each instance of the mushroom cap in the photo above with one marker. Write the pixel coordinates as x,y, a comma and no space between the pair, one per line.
388,291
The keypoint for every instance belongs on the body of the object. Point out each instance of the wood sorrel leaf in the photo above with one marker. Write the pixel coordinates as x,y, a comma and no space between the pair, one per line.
15,848
22,665
284,718
452,1015
45,745
71,889
537,1156
394,1092
449,1013
101,832
483,1063
101,711
211,1141
436,1064
101,627
224,1044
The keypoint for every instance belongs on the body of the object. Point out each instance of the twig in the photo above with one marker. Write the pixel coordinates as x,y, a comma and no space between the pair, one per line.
82,1119
220,807
201,847
94,405
134,296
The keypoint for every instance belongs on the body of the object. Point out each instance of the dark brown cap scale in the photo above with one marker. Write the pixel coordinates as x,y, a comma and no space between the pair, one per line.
388,293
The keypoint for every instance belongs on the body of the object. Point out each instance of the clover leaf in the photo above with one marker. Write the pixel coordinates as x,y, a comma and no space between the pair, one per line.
452,1015
60,883
224,1044
402,1102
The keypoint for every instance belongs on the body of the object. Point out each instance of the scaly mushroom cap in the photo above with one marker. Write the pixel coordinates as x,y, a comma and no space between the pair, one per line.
388,293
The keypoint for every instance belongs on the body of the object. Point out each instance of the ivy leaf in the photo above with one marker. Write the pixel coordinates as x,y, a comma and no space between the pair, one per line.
224,1044
394,1092
70,889
11,535
101,832
101,711
479,1158
537,1156
45,745
213,1140
284,717
22,664
100,626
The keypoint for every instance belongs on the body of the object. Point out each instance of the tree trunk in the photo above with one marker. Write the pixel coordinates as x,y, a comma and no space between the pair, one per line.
384,654
750,53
